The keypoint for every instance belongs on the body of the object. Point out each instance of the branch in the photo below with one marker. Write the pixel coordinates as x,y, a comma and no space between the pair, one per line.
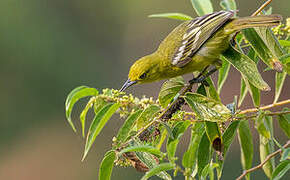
265,107
261,8
270,156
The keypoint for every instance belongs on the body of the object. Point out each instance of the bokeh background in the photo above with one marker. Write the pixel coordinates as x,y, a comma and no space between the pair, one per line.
49,47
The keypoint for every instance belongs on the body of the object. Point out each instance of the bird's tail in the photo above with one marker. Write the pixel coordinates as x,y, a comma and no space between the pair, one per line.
253,21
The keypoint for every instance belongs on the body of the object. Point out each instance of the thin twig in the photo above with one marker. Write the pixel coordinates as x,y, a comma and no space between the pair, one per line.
261,8
270,156
267,114
265,107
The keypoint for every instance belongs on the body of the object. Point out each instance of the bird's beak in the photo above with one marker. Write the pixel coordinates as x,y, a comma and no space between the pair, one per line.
127,84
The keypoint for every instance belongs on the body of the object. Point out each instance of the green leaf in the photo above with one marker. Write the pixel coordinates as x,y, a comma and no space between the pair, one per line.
285,59
98,123
203,156
127,126
262,49
162,138
228,138
202,7
284,43
159,168
147,115
247,67
214,135
84,114
212,93
270,40
75,95
149,160
281,170
168,129
207,109
178,16
246,143
172,143
228,5
261,127
169,90
254,92
284,123
223,73
285,154
106,166
189,157
143,148
208,170
243,92
279,82
267,147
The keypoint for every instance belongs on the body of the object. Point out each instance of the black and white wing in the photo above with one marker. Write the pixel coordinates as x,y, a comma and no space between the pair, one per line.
199,31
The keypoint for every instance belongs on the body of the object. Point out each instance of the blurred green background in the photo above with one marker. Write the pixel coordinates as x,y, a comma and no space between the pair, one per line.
48,47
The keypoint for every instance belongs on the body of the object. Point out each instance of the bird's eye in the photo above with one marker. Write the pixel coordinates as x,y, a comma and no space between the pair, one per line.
143,76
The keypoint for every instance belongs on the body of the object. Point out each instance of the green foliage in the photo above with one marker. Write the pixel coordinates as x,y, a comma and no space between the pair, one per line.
151,124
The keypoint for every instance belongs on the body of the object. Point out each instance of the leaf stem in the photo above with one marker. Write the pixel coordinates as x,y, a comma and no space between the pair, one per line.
270,156
261,8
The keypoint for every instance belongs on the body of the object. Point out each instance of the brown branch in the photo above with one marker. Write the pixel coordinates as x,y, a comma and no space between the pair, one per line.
265,107
270,156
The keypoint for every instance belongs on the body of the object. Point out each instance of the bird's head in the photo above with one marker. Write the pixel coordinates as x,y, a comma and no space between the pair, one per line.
144,70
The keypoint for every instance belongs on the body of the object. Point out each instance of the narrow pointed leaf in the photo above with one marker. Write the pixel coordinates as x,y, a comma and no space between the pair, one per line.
262,49
212,93
159,168
84,114
247,67
202,7
172,143
214,135
228,138
284,122
162,138
150,161
207,109
190,156
127,126
203,156
107,165
279,82
246,143
143,148
98,123
147,115
267,147
285,154
75,95
169,90
254,92
243,92
281,170
178,16
223,73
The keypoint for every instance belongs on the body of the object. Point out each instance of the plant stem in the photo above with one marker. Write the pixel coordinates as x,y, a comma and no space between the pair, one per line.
265,107
270,156
261,8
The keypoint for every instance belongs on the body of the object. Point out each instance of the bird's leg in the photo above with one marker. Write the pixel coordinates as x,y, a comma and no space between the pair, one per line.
201,77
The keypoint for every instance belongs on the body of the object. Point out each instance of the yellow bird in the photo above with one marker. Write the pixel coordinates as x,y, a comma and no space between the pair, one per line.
193,46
